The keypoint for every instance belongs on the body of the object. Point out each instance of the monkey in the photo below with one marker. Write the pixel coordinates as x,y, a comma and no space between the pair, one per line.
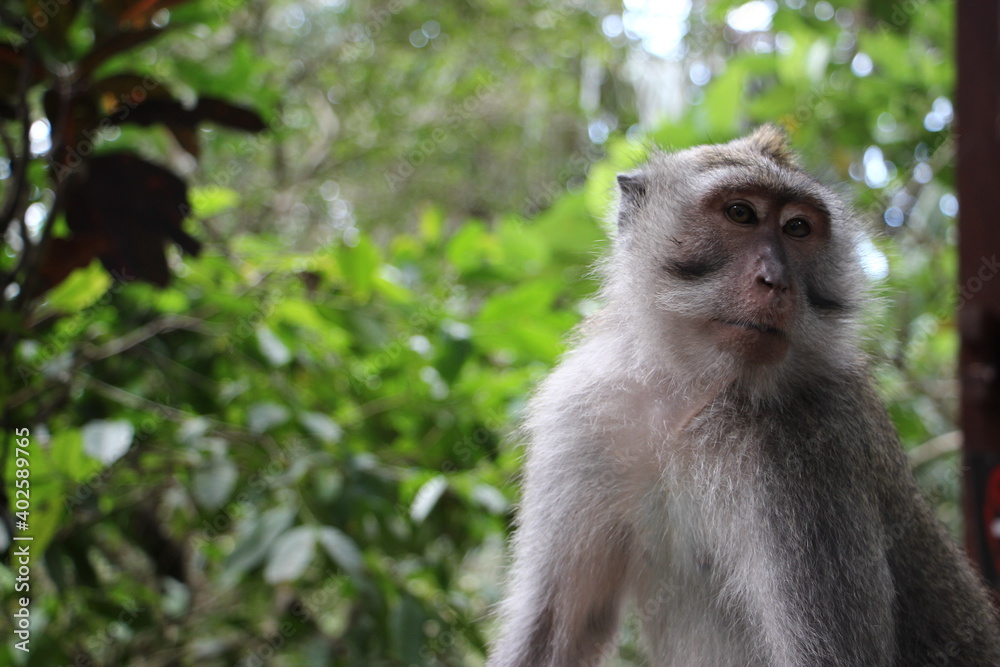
711,449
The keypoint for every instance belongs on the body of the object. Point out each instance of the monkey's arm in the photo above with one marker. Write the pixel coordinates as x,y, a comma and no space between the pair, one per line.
942,615
904,593
571,554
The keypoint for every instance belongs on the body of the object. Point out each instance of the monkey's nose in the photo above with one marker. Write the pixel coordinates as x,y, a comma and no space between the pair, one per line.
772,281
771,270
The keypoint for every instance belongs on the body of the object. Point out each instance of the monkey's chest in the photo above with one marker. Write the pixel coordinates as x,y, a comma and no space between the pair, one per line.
684,592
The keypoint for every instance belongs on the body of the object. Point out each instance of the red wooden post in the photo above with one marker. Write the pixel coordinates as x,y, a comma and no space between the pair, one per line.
978,118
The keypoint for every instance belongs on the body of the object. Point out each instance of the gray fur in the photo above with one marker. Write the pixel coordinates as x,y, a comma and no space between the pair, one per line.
754,513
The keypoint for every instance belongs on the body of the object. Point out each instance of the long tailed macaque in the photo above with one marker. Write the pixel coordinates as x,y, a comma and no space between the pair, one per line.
712,450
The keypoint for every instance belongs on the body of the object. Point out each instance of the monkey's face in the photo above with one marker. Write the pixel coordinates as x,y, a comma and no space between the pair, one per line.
737,255
762,245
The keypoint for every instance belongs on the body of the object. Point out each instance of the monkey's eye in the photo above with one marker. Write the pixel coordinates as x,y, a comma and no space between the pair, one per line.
741,213
798,228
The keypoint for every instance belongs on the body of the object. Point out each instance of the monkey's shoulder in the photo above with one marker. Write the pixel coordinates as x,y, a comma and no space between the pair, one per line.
834,426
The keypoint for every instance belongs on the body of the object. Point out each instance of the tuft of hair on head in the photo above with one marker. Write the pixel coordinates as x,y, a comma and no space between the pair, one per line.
771,141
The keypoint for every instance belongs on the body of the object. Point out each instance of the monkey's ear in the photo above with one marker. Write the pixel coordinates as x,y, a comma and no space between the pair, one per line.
633,188
771,141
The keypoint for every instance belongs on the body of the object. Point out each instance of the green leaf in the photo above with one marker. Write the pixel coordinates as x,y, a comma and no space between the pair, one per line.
256,540
431,224
491,498
817,59
264,416
342,549
522,321
472,247
69,459
522,252
107,441
569,230
276,352
214,481
80,290
407,620
211,200
427,497
320,425
723,102
291,555
359,266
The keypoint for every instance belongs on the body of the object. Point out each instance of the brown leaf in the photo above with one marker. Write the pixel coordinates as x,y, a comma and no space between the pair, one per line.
141,12
228,114
136,206
136,13
121,41
74,129
120,93
187,137
173,113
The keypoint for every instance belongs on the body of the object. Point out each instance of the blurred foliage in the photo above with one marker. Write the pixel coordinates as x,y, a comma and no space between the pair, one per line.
298,451
102,195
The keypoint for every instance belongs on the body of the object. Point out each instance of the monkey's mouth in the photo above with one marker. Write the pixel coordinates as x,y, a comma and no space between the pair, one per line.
753,341
753,326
